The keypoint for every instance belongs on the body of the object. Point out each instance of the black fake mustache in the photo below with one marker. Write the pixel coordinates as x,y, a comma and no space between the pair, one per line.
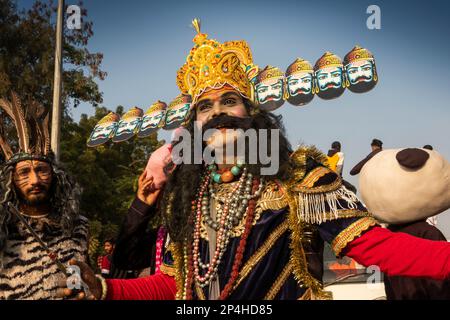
335,84
302,90
362,78
177,118
226,121
270,97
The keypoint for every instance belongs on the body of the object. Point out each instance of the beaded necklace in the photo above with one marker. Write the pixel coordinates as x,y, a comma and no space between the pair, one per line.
241,200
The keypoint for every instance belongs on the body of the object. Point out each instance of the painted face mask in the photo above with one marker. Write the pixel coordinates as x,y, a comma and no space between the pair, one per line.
153,119
177,112
128,125
360,70
269,88
104,129
329,76
300,83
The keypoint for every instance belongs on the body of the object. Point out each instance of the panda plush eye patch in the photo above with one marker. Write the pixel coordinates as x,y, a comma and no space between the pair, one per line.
412,158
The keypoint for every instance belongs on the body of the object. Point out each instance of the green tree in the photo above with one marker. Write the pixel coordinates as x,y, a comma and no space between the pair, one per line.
27,48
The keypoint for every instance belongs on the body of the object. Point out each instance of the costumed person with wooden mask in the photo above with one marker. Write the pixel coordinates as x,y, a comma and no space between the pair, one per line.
239,233
40,225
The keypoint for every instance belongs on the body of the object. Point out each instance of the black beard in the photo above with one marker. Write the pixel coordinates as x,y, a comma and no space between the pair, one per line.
182,185
300,99
331,93
362,86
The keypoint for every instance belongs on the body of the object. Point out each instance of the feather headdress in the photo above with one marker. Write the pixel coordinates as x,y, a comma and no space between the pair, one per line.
32,126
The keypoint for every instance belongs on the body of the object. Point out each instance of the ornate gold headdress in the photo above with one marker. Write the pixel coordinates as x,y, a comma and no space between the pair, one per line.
32,126
157,106
269,72
357,54
133,113
328,60
180,99
211,65
299,65
109,118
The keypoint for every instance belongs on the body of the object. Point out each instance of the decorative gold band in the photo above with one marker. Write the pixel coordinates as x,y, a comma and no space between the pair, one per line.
170,271
284,275
350,233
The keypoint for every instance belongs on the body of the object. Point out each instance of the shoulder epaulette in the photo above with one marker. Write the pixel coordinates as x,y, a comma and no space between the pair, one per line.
316,192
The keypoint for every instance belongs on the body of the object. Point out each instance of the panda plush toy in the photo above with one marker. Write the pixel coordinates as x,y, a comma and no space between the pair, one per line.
402,188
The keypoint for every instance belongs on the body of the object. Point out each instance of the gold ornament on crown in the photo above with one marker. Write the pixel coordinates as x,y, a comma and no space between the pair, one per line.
110,117
212,65
268,73
157,106
357,54
328,60
180,99
299,66
133,113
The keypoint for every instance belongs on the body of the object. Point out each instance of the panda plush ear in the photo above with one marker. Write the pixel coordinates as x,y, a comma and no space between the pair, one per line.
412,158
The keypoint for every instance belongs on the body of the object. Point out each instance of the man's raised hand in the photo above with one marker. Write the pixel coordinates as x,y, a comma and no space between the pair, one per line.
146,190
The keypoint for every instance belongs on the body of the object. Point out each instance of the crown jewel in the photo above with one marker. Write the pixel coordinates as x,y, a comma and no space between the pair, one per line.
211,65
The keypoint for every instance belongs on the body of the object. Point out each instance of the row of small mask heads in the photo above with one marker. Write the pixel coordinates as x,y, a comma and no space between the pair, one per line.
328,79
298,85
137,123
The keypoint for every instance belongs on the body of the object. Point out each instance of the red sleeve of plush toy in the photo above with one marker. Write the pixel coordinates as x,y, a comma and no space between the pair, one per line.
400,254
154,287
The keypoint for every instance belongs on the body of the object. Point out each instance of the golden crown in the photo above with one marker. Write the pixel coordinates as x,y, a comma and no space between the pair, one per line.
211,65
328,60
299,65
180,99
110,117
269,72
157,106
133,113
357,54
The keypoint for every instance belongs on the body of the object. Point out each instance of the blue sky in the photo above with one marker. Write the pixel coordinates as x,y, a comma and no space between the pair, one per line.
144,43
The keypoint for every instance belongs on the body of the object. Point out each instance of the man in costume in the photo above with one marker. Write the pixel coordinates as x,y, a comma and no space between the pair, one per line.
47,202
236,234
